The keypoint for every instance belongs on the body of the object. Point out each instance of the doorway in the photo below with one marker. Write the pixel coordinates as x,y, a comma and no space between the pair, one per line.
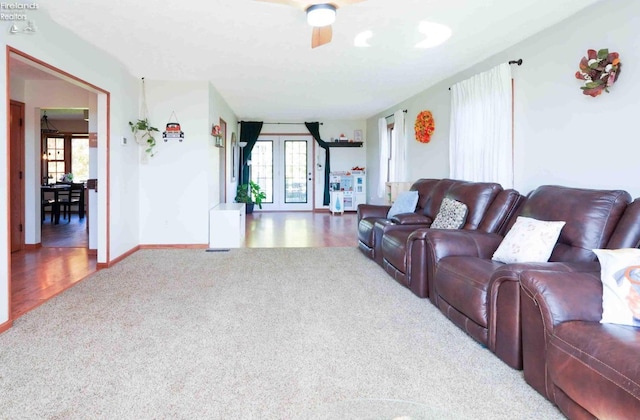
282,166
36,274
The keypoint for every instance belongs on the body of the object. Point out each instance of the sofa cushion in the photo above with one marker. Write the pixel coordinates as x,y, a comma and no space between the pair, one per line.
528,240
620,276
452,215
460,281
405,203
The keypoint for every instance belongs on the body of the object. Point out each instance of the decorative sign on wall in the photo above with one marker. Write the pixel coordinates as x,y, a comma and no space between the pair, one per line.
424,126
599,70
173,130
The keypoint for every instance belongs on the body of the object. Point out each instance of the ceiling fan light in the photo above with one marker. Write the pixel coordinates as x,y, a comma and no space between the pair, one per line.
319,15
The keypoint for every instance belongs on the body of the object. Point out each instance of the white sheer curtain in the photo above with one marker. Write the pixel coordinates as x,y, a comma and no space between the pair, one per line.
384,156
399,168
480,139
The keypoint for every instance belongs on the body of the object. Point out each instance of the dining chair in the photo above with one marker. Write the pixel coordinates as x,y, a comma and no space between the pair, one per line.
72,197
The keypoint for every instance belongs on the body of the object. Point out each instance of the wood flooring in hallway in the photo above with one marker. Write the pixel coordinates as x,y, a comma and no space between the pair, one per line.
38,275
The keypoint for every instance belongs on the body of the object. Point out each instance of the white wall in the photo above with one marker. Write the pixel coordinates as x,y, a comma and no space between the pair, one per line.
174,196
219,108
561,136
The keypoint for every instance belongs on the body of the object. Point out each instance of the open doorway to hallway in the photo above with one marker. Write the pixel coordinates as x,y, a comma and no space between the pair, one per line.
58,249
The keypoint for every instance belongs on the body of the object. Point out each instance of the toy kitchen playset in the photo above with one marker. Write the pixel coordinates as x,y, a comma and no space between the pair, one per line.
348,189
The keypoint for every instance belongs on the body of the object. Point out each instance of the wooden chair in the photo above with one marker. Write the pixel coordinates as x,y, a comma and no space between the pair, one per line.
73,197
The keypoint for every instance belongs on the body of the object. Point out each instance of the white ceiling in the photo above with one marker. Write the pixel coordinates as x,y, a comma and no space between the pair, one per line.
258,55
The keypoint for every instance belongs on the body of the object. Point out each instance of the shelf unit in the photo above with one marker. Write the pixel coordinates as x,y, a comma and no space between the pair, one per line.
344,143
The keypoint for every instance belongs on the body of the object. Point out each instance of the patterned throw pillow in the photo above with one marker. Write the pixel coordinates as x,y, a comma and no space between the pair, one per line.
620,276
452,215
406,202
528,240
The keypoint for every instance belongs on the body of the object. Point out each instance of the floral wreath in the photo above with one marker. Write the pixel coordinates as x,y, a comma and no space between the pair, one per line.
599,70
425,126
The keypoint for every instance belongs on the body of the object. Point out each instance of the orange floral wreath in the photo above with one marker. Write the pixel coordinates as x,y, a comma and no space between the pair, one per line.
425,126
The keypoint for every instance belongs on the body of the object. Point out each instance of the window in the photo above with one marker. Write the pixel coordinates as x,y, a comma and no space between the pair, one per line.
65,153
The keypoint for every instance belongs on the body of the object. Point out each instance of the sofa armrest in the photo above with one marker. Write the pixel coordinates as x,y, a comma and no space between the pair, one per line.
504,315
547,299
372,210
443,243
411,219
565,296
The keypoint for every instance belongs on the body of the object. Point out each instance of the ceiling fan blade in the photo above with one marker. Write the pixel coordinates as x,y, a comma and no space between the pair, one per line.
342,3
299,4
321,35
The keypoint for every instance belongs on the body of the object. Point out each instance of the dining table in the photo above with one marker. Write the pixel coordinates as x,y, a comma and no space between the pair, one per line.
55,205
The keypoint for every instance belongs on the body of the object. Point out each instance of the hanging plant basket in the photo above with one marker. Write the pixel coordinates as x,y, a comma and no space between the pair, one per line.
424,126
599,70
144,135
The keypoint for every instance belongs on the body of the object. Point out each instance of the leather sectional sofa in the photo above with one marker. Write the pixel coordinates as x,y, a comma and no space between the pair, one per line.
540,316
489,207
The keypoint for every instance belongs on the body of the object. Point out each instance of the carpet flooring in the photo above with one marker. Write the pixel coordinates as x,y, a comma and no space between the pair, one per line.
279,333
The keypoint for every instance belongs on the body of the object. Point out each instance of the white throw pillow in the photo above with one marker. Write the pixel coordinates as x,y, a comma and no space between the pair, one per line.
406,202
528,240
620,276
452,215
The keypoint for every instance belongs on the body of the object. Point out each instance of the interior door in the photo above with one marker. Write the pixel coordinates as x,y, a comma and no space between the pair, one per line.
282,166
16,159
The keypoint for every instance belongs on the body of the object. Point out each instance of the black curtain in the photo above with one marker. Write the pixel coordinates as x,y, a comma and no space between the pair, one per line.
249,132
314,129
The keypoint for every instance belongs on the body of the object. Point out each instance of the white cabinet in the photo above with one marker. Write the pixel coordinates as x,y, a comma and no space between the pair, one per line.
227,225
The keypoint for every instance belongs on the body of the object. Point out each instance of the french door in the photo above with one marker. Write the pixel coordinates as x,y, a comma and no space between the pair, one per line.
282,166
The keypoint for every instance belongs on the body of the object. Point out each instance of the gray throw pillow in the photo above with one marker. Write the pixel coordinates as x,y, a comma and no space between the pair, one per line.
452,215
406,202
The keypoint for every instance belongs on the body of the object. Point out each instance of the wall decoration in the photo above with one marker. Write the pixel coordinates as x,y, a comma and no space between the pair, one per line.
216,132
424,126
599,70
173,130
357,135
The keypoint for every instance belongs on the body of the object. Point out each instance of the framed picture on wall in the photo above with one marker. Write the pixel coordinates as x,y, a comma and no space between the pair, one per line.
357,135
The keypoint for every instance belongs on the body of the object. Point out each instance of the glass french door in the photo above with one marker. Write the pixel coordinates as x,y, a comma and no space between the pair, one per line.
282,166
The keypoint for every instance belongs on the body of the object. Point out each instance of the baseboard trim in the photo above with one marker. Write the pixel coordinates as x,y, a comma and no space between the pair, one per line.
174,246
32,247
116,260
4,327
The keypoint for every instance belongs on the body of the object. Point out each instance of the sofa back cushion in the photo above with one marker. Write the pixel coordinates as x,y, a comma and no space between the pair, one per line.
627,232
590,216
425,188
477,196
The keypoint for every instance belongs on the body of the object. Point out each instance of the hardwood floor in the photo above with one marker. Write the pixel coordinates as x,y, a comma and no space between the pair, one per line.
64,260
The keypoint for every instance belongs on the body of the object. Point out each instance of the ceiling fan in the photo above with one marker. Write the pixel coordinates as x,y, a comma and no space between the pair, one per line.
320,15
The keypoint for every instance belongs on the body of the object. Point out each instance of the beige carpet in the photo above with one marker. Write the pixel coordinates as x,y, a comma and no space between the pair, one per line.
293,333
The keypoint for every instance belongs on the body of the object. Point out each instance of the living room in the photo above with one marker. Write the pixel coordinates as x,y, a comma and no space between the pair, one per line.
561,136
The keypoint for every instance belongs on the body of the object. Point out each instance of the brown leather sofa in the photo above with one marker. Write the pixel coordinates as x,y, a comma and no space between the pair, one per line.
482,296
588,369
404,254
373,223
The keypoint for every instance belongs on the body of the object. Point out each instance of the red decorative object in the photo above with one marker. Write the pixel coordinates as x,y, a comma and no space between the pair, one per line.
425,126
599,70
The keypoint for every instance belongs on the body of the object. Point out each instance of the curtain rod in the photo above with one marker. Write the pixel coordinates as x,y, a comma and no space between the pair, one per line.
518,62
389,116
280,123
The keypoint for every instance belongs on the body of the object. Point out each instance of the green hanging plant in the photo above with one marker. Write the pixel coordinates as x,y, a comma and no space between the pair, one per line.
144,134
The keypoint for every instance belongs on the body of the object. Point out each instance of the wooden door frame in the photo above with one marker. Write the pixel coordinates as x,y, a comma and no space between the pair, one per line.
21,193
